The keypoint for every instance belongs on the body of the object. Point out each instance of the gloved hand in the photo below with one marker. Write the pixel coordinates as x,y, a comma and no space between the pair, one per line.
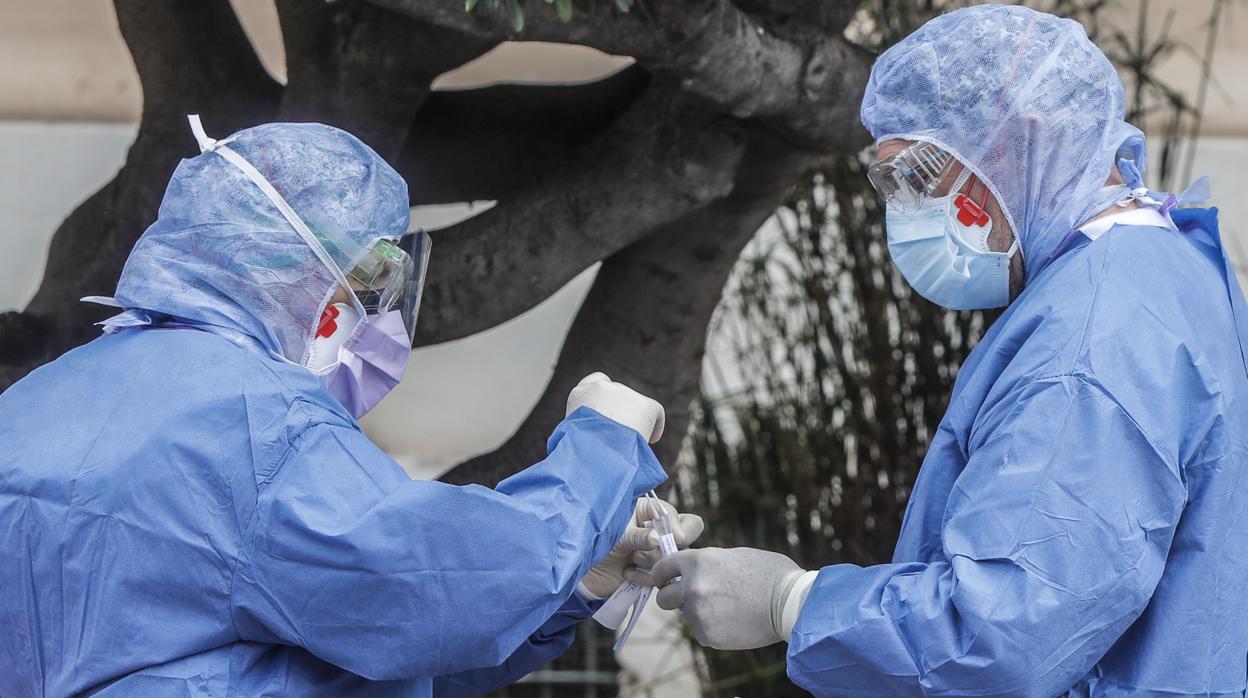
639,545
733,597
619,403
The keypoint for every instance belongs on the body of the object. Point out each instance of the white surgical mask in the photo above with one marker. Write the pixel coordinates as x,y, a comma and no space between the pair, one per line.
942,251
359,362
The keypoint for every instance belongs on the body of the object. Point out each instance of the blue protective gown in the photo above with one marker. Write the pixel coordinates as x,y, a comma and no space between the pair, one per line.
1080,523
181,516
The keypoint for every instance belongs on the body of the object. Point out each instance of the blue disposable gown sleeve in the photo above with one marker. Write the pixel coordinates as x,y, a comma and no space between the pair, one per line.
1054,538
394,578
547,644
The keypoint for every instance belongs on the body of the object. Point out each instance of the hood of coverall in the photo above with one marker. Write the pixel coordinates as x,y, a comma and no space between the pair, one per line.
1025,100
221,254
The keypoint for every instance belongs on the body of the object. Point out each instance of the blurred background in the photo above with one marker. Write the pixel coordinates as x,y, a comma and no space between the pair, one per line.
822,378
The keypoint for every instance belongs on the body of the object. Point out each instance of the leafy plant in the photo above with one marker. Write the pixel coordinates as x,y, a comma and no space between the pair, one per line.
515,8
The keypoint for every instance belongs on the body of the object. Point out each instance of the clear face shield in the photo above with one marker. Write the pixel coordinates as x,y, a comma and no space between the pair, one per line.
390,277
906,179
383,277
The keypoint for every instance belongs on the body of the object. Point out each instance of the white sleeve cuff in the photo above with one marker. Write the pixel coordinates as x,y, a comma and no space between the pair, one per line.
793,604
586,595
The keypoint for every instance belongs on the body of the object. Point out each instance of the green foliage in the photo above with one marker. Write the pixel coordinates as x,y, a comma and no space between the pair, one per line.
841,376
515,9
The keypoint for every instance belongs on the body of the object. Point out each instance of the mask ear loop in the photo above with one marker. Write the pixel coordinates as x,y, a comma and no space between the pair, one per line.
983,206
958,183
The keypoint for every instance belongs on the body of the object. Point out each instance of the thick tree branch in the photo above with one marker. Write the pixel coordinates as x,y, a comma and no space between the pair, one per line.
645,318
191,58
659,161
364,68
489,142
807,89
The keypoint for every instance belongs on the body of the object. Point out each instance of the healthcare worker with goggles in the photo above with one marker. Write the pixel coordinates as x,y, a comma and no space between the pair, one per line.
1077,527
188,504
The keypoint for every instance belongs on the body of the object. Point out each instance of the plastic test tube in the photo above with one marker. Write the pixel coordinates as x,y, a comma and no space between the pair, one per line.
667,546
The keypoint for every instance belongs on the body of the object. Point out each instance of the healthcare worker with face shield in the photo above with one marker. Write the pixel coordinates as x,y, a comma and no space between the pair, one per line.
1078,525
188,504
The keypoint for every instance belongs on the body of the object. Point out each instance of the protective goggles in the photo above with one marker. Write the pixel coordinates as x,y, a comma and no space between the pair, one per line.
390,277
906,179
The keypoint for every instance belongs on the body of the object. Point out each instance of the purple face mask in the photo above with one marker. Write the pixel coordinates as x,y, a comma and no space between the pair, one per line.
361,362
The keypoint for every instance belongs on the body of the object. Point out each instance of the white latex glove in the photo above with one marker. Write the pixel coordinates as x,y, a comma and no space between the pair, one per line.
602,580
733,597
619,403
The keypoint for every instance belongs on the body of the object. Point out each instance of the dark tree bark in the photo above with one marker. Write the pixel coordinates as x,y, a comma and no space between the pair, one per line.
662,171
800,17
489,142
660,160
645,318
806,85
191,58
364,69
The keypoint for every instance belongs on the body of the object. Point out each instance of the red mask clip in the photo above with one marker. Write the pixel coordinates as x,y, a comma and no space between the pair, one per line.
328,326
970,213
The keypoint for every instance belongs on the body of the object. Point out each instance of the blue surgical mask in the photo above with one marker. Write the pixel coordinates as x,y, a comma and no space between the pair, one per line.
942,251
